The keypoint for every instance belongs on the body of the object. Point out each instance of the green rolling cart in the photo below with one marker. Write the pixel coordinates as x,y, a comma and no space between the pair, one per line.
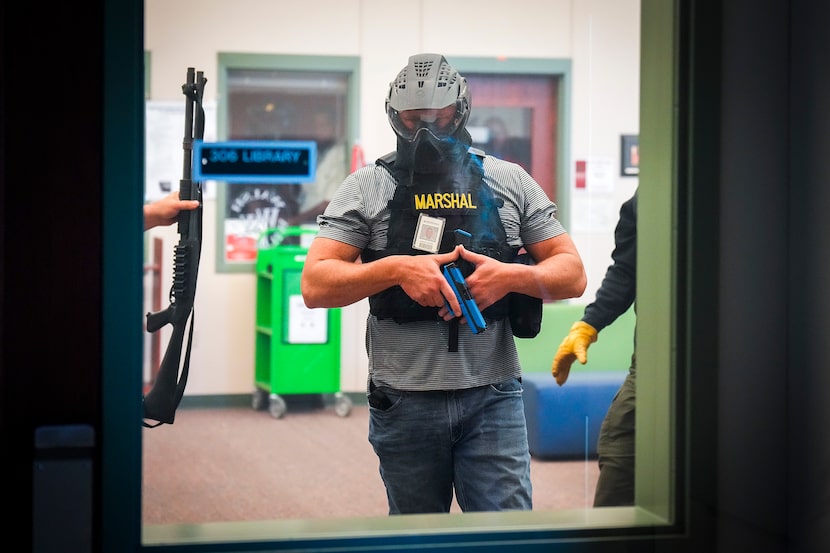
297,349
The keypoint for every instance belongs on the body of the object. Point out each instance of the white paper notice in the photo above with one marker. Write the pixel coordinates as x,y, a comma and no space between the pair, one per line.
163,150
595,215
600,174
306,326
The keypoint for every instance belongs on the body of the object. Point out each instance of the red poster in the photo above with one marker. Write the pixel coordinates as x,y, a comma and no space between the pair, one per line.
580,173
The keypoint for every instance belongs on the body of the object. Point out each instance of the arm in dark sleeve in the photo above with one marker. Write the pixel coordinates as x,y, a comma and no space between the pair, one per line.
619,286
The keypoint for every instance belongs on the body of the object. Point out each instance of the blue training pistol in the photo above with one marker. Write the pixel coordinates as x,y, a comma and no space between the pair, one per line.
469,307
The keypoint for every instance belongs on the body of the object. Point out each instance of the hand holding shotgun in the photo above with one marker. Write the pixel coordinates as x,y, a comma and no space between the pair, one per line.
165,211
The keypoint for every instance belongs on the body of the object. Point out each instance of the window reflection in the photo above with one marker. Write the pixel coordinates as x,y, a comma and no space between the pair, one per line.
503,132
283,105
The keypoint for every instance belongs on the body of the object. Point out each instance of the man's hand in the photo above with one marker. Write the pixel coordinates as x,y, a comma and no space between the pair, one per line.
574,346
165,211
424,282
488,283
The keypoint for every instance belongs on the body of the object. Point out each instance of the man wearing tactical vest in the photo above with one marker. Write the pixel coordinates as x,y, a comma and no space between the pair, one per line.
445,399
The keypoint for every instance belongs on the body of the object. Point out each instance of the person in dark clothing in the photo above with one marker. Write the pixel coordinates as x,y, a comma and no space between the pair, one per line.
615,446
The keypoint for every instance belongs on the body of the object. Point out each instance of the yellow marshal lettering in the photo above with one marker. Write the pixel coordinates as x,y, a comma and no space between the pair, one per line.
447,200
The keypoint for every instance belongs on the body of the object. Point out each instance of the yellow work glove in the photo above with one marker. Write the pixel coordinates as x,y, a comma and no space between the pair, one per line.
574,346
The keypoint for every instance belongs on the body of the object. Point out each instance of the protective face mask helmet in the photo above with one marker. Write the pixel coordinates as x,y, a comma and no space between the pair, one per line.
435,134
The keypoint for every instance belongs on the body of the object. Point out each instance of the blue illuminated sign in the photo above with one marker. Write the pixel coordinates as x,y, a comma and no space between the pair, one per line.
255,161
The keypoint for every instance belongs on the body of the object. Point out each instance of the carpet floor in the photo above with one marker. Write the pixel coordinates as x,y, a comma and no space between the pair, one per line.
239,464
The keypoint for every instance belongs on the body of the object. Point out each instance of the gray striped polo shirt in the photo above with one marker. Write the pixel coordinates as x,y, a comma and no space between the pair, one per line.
414,356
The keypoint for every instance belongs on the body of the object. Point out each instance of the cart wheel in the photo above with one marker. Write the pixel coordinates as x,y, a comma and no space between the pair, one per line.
276,406
259,400
342,404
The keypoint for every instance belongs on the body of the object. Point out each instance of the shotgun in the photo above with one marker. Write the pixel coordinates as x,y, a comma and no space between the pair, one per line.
161,401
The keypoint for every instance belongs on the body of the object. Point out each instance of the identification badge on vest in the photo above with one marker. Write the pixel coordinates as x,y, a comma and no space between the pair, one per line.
428,233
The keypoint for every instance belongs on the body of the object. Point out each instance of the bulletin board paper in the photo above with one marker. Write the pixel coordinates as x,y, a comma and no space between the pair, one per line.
163,147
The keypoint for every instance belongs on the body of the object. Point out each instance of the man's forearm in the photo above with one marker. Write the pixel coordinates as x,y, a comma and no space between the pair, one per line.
556,278
337,283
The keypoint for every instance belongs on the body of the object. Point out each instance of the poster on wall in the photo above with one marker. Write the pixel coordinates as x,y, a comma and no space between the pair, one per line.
252,209
629,155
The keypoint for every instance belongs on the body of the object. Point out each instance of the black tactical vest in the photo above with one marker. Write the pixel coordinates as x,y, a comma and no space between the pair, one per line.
465,202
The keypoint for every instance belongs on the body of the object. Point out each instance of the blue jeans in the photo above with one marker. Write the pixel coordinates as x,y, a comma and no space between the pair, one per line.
472,441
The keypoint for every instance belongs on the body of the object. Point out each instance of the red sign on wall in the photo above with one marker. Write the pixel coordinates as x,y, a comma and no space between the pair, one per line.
580,173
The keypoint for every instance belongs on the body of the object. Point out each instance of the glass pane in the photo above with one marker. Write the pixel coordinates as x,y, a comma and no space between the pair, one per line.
282,105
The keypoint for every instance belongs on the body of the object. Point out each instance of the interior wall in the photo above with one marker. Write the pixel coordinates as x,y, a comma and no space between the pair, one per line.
600,37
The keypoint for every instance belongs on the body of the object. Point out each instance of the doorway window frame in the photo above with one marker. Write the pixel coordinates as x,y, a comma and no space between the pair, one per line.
659,317
338,66
550,67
